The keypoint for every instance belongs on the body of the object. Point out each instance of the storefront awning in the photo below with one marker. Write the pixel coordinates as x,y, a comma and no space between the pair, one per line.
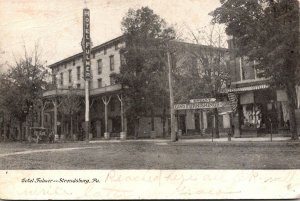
250,88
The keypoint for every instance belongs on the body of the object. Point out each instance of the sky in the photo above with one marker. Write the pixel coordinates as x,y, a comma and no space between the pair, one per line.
56,25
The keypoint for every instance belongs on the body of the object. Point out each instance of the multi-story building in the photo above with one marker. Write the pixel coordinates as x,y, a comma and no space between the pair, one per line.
69,73
105,95
261,109
210,66
258,105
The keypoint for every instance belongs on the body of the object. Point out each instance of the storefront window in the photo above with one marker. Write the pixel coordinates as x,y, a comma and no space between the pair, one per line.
265,115
252,116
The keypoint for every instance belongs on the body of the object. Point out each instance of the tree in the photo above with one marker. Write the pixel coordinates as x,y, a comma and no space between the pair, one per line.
69,106
22,87
204,70
4,89
143,74
267,32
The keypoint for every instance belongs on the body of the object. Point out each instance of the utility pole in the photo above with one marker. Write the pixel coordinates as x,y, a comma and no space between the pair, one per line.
86,47
172,111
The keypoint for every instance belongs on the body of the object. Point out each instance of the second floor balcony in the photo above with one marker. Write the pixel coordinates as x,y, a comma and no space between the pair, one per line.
53,92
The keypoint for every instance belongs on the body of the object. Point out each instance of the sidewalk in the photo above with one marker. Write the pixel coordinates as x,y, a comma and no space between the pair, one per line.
244,139
199,140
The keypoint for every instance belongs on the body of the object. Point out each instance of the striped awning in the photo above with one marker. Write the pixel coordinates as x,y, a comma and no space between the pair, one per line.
250,88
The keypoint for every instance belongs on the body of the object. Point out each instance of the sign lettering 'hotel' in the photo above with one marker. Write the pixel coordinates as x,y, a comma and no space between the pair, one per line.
86,46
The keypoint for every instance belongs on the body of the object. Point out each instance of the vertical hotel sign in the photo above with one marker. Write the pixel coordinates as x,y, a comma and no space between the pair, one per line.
86,43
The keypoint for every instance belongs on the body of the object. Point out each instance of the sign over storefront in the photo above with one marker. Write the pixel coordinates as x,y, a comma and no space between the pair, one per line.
202,100
250,88
86,43
193,106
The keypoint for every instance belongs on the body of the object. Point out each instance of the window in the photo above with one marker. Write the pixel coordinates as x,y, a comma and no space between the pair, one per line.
74,62
258,73
122,59
54,79
35,116
104,50
78,72
61,79
78,86
70,76
116,46
111,62
94,55
99,66
112,80
99,83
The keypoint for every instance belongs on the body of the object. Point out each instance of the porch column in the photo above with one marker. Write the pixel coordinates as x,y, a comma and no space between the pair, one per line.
186,121
236,119
176,125
200,120
55,116
106,102
236,124
204,121
123,132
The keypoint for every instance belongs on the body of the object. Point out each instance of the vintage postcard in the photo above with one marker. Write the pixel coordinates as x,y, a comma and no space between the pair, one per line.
149,99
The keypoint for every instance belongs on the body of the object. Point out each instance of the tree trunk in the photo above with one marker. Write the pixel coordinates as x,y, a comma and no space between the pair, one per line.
4,131
9,130
291,93
1,128
136,128
55,117
42,116
62,125
152,119
71,125
164,122
217,135
20,131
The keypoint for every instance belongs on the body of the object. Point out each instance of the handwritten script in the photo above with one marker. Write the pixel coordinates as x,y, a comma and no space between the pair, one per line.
136,184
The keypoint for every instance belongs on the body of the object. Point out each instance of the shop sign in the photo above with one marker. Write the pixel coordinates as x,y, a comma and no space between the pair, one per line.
202,100
86,43
207,105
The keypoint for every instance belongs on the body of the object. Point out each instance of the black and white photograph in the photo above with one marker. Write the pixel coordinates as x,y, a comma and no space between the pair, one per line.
138,99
